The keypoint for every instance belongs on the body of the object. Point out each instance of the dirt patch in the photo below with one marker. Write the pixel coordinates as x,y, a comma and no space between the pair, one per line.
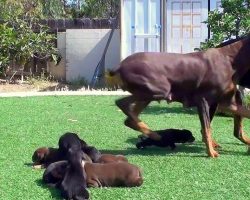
38,87
16,88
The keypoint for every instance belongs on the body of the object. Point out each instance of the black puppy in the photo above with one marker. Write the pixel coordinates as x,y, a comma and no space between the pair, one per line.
54,173
168,138
74,183
69,140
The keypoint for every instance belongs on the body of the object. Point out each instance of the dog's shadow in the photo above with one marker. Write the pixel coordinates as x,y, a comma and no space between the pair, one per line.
155,110
197,150
55,193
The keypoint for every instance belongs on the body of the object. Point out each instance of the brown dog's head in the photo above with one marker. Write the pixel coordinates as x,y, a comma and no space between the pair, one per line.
39,156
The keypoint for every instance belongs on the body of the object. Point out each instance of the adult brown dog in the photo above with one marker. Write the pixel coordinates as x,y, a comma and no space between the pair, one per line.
112,174
204,80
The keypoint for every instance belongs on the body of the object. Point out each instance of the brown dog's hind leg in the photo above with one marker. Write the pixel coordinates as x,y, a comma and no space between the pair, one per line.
137,107
203,110
239,111
132,108
238,127
238,130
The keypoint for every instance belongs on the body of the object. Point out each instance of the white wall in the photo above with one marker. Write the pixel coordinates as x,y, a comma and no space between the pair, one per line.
58,71
84,48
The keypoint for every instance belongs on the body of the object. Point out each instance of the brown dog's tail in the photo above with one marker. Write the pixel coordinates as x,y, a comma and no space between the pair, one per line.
113,79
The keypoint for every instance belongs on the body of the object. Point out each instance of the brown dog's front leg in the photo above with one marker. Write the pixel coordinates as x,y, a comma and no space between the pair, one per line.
212,111
203,110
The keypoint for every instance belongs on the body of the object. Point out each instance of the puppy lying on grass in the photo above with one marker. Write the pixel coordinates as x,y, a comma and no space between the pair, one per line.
44,156
168,138
112,174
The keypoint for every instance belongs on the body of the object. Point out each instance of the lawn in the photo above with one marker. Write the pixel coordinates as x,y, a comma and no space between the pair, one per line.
185,173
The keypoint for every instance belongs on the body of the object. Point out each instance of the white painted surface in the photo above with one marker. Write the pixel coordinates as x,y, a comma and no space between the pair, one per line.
215,4
58,71
140,26
84,48
185,29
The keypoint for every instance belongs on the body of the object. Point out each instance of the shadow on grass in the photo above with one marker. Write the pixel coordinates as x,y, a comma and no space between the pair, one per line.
155,110
55,194
156,151
233,152
194,149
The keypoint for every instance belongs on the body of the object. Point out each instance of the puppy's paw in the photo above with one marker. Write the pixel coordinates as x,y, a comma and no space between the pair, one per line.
38,166
139,146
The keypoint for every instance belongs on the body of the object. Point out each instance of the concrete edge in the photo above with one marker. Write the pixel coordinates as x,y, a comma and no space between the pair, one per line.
64,93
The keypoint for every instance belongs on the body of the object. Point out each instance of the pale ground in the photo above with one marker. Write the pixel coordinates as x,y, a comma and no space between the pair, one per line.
50,88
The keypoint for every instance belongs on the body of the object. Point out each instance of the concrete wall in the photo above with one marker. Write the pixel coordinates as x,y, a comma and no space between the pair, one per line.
81,50
59,71
84,48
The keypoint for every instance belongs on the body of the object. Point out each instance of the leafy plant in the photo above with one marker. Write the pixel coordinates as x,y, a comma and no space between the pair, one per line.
100,8
19,43
231,21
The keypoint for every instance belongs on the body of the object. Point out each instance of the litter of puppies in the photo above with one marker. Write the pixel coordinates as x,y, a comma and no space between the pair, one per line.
75,166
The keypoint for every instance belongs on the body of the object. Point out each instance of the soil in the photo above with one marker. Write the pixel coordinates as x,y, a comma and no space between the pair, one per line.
38,86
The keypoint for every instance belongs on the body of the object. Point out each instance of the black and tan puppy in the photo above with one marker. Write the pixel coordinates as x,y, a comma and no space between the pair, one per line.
43,156
113,174
168,138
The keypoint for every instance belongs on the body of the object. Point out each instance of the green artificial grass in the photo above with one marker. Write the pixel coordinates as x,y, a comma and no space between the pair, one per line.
185,173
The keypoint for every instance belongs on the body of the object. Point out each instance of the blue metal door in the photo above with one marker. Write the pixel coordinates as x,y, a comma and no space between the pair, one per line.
140,26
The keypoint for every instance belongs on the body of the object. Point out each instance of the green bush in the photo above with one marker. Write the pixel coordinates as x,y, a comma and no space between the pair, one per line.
18,41
231,21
